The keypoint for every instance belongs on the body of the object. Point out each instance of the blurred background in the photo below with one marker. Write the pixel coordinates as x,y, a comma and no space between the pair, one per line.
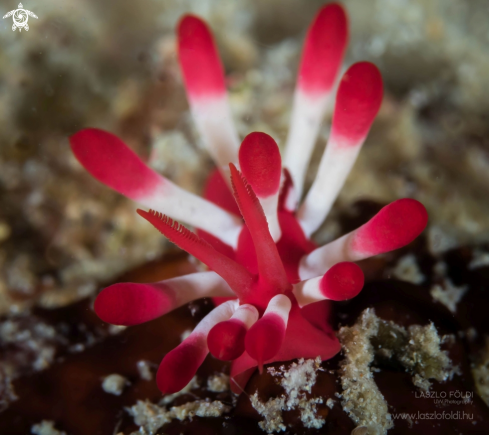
113,65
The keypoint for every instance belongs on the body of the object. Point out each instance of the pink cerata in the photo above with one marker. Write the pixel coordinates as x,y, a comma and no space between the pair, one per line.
270,281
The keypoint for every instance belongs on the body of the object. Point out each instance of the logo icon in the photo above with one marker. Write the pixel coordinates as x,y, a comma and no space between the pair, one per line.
20,17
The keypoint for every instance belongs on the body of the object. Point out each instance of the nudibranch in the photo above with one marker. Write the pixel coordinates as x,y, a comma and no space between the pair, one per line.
270,282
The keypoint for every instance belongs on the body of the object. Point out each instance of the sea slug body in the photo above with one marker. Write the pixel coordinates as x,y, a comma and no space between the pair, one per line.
252,231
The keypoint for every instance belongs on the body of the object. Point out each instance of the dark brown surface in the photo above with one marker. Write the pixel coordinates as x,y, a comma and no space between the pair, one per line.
327,385
70,393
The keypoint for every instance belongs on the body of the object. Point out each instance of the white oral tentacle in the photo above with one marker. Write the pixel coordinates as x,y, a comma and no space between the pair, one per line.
247,314
307,114
184,206
307,292
321,259
212,116
335,165
281,306
198,285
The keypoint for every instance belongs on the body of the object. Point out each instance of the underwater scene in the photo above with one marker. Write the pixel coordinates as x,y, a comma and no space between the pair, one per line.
244,217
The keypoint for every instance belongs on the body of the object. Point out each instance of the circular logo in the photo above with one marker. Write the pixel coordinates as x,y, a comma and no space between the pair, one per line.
20,17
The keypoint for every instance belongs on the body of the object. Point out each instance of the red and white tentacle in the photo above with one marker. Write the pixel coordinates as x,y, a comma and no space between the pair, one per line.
113,163
179,365
134,303
341,282
226,340
393,227
357,102
265,337
206,90
324,47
